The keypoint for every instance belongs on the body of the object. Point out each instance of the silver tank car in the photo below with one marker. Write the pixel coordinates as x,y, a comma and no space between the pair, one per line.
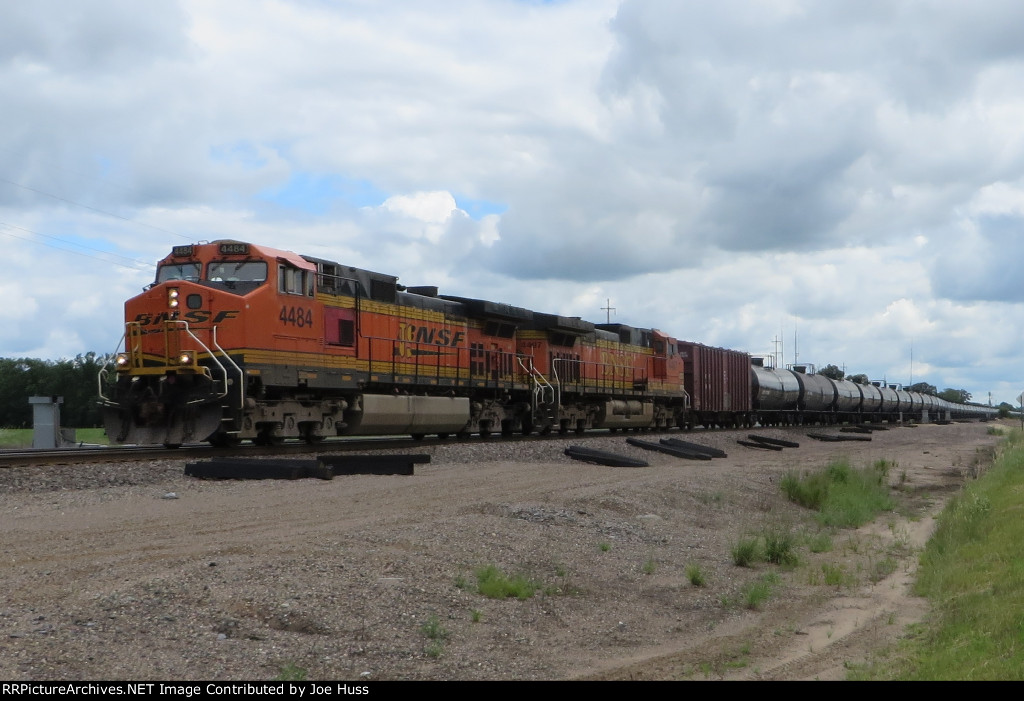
817,392
773,390
906,401
848,396
871,399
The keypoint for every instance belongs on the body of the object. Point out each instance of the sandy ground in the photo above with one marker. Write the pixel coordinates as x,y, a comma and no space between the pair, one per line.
107,576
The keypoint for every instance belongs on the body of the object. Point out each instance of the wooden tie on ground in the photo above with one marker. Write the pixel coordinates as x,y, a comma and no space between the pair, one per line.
773,441
759,444
834,438
695,447
669,449
602,457
373,464
322,467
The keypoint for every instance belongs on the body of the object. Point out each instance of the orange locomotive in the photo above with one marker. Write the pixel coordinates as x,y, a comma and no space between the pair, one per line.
237,341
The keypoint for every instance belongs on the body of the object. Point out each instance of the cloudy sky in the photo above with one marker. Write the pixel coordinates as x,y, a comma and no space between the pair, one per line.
848,174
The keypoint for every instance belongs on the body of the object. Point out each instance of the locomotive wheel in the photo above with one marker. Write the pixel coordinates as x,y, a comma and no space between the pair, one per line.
223,440
264,438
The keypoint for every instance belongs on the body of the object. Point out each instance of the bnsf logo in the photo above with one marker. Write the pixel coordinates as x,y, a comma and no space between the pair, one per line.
196,316
425,334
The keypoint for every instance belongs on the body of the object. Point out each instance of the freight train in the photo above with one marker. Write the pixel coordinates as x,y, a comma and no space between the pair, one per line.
236,341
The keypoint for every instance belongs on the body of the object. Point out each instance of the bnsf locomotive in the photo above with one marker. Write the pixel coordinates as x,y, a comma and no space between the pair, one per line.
237,341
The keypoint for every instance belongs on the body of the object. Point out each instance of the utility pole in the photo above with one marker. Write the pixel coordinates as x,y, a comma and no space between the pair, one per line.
608,309
911,363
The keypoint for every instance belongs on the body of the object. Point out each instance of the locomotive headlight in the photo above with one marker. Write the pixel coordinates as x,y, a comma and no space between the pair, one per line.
185,358
172,297
121,361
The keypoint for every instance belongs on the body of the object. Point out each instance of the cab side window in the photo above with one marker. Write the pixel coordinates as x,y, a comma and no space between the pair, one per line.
294,281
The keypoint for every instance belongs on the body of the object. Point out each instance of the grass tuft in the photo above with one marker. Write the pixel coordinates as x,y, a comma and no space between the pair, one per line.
758,591
844,497
433,630
746,552
291,672
495,584
778,547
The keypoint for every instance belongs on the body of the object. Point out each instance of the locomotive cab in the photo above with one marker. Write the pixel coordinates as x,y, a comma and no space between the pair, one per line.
173,374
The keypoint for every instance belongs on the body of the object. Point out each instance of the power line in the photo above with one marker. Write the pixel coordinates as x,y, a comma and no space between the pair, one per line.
77,253
136,261
94,209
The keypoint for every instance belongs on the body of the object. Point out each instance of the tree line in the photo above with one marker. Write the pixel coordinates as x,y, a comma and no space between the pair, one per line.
74,379
958,396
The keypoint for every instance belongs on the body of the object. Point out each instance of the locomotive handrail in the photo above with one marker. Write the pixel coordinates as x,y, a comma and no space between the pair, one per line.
241,375
601,381
210,353
102,375
540,383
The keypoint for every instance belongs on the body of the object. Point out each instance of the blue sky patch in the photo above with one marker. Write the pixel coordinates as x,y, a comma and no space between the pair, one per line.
315,194
478,209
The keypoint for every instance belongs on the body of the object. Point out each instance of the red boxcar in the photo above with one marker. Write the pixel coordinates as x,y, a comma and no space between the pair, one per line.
718,382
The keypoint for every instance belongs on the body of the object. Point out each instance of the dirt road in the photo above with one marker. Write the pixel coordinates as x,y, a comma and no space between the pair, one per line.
109,576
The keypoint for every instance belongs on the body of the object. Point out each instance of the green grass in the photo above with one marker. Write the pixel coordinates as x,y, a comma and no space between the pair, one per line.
836,575
432,629
759,591
291,672
843,496
22,437
495,584
746,552
778,547
972,573
820,542
695,575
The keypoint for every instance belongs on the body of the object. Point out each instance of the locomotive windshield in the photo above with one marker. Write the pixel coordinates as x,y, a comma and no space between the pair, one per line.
237,271
178,271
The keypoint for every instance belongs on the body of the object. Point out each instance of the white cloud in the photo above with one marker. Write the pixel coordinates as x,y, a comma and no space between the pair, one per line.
723,171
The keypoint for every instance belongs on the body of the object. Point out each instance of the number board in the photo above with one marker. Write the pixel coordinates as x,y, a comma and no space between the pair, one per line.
234,249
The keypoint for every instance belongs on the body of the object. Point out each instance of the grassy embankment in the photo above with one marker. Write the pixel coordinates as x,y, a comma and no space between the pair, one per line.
972,572
22,437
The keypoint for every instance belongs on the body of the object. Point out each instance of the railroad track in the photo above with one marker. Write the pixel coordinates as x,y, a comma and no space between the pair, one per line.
94,454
